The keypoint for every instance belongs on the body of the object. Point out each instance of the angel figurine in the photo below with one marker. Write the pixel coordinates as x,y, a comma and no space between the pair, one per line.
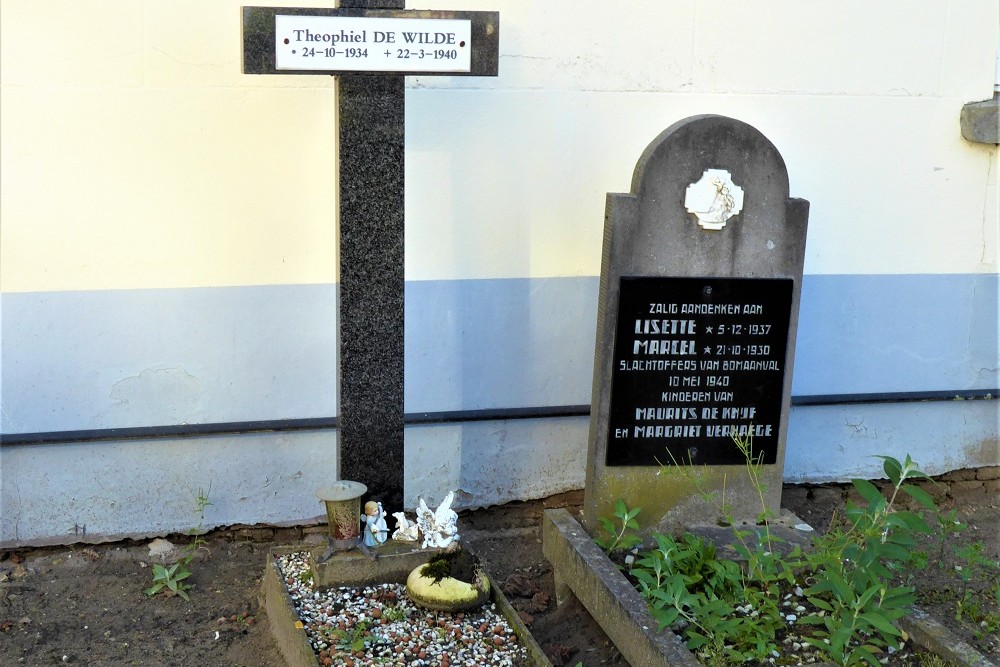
405,531
376,530
440,527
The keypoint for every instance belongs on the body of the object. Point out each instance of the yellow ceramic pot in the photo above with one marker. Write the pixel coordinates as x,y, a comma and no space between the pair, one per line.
448,594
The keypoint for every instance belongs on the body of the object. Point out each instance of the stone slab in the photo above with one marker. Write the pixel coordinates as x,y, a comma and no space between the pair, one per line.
392,563
787,530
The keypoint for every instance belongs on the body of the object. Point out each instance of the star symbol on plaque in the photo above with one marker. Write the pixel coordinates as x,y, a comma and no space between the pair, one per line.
708,330
708,350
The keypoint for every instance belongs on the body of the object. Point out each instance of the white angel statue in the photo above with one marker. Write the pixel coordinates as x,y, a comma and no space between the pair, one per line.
405,531
440,527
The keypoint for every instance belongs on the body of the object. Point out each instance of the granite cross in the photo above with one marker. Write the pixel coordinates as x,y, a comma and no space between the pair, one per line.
370,45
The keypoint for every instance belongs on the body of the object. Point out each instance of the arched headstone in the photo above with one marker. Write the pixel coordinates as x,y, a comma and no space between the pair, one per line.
700,282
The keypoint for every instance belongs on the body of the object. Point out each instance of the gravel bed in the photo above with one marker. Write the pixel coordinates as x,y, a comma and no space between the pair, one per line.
380,625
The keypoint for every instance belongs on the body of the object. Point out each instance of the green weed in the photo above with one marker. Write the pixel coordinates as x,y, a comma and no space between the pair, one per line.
394,613
731,612
979,575
349,640
172,578
624,534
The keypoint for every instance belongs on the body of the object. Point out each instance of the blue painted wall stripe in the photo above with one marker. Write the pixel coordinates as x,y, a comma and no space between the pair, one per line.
896,333
132,358
77,361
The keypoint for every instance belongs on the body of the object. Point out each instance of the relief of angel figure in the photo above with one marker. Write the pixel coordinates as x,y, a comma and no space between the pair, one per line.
714,199
722,203
439,527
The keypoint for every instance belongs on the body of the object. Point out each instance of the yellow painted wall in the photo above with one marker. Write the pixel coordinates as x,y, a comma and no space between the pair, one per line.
135,153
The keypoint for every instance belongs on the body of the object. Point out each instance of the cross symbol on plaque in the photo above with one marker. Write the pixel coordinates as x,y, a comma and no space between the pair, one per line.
370,45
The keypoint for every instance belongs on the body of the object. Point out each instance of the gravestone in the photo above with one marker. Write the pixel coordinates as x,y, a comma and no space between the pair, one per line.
699,297
370,45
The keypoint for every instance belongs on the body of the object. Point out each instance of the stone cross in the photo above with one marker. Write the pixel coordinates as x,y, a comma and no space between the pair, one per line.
370,45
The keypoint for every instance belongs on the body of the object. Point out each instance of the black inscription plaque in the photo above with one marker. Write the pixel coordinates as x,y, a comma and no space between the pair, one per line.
696,361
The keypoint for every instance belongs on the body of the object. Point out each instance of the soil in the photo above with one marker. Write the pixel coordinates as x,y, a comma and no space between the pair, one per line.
85,604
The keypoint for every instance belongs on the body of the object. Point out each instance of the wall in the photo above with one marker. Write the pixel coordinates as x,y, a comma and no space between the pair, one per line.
167,244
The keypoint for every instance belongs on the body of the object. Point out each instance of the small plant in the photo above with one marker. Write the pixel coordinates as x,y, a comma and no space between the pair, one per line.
624,535
948,526
172,578
974,564
394,614
979,575
975,600
934,660
354,639
349,640
243,621
853,569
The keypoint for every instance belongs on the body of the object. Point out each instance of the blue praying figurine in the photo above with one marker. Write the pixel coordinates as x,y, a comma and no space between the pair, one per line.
376,530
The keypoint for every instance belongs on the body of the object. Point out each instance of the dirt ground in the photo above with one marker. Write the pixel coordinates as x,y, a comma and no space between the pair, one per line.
85,604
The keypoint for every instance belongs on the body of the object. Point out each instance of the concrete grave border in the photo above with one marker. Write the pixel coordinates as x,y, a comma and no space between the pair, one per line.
582,569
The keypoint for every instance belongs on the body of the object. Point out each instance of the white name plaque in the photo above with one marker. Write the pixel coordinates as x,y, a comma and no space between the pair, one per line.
368,44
